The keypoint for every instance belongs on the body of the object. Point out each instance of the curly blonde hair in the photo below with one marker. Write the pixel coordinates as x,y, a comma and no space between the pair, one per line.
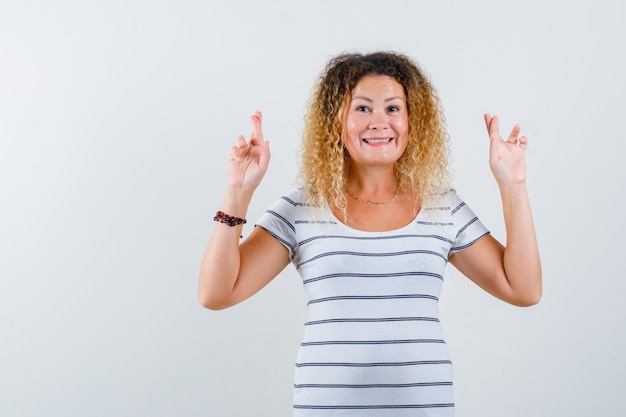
422,170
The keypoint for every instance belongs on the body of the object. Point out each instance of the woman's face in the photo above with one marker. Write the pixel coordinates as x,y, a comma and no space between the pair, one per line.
376,121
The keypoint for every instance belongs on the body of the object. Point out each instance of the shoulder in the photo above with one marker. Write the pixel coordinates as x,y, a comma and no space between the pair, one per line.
446,200
296,197
288,204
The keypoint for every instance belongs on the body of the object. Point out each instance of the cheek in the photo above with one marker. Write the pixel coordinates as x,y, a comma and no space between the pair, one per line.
352,128
402,123
402,128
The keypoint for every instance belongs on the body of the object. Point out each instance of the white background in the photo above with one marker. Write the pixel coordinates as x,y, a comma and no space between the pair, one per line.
116,119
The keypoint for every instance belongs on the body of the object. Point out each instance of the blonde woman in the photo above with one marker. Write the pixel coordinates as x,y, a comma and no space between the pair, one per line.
370,231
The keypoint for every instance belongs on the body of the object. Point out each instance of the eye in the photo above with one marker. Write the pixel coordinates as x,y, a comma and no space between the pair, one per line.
393,109
362,108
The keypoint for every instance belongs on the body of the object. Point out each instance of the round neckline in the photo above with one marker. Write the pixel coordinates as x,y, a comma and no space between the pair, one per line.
354,230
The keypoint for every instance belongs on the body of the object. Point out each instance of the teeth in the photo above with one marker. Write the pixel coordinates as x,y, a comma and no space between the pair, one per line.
375,141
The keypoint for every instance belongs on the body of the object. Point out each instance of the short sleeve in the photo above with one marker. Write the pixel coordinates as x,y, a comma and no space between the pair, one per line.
279,220
468,227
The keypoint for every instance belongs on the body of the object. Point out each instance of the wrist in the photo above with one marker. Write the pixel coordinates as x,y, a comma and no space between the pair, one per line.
236,202
513,193
512,186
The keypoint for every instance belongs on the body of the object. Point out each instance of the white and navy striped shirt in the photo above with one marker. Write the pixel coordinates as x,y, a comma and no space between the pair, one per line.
373,344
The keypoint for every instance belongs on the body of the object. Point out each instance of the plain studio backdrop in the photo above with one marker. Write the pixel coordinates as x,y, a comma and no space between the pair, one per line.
116,120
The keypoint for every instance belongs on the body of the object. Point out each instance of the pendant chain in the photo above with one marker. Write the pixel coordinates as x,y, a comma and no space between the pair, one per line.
360,200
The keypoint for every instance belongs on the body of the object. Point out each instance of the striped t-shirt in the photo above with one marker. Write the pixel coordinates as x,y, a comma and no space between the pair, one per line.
373,344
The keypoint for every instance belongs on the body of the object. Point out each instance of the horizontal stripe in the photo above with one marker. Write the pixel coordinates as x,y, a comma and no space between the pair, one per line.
364,275
370,407
370,320
283,241
460,248
366,238
371,342
357,386
373,297
468,224
374,364
423,223
284,220
374,254
315,222
290,201
457,208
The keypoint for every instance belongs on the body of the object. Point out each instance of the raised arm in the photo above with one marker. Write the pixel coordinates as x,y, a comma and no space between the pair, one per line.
512,272
231,272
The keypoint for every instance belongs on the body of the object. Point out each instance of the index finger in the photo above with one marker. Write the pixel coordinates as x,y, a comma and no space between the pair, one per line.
256,138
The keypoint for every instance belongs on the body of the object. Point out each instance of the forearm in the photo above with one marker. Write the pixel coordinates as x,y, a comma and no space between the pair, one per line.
521,254
221,260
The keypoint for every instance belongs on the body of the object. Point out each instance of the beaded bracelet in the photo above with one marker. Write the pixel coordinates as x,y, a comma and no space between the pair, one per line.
222,217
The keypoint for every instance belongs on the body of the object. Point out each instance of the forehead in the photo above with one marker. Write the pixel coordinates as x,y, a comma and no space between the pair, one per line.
372,85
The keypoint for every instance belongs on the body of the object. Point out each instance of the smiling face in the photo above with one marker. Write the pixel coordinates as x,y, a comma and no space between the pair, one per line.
376,121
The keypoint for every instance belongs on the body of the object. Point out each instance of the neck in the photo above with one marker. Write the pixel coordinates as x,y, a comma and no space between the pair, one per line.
373,187
372,179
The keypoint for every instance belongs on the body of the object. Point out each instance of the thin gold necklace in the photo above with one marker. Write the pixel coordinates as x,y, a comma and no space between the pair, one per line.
360,200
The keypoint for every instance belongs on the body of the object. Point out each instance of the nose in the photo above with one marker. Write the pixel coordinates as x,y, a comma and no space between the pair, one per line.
378,120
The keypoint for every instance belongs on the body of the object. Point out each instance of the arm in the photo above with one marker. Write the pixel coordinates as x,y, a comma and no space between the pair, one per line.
512,272
231,272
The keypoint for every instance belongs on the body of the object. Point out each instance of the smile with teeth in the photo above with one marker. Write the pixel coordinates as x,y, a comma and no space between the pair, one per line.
377,141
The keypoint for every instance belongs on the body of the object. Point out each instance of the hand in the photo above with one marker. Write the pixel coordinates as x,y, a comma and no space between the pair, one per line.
248,161
506,158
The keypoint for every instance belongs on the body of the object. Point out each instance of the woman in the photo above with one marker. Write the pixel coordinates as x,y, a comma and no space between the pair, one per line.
371,231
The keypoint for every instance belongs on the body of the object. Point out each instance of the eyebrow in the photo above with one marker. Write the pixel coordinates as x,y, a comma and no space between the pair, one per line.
370,100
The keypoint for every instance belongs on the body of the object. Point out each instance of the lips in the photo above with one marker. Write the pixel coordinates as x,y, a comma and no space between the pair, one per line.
377,141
